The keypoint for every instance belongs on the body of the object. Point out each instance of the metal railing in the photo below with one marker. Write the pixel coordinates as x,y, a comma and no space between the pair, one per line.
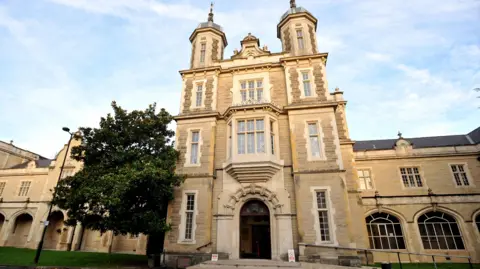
399,253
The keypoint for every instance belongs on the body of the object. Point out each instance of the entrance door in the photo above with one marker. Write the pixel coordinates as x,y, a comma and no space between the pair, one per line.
255,240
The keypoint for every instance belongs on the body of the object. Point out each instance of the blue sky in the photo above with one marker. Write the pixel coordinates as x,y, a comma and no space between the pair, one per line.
408,65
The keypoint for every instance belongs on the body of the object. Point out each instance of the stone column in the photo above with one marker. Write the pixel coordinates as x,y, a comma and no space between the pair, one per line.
284,235
5,232
225,233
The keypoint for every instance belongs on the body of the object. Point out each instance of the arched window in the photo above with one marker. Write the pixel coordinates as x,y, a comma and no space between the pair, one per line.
439,230
384,231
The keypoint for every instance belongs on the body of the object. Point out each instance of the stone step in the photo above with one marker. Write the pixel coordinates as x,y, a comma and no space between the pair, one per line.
247,264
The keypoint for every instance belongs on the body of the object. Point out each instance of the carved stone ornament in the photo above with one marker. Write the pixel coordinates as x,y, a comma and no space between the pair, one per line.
253,191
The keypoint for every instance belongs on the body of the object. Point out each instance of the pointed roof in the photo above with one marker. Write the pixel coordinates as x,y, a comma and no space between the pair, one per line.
210,25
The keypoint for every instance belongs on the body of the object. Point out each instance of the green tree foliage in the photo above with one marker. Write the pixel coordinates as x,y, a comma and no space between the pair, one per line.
128,175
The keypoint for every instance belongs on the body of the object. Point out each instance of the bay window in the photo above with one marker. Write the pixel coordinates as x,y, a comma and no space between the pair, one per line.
250,136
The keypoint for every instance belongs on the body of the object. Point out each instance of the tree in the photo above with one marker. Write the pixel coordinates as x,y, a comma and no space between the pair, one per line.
128,175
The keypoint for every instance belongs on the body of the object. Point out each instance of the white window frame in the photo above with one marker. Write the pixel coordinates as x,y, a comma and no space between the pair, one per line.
245,134
300,39
331,214
24,188
67,173
363,177
199,94
313,87
188,153
308,144
203,52
193,97
195,143
420,173
467,174
3,184
247,92
273,150
183,218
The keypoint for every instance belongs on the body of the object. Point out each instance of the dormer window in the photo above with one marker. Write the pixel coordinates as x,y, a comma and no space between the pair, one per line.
203,49
301,44
251,90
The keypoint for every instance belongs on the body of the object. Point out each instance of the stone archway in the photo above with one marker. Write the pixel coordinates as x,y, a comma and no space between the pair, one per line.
255,237
20,231
54,230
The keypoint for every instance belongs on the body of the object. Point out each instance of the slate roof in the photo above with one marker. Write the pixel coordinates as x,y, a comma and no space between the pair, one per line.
40,163
471,138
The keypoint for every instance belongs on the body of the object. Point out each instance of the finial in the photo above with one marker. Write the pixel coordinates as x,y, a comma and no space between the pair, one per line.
293,4
337,89
210,15
11,142
400,135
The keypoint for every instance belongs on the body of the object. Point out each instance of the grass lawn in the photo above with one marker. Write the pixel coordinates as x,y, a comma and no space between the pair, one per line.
431,266
23,256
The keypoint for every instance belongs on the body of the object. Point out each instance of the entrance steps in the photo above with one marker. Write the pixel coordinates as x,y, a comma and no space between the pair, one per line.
262,264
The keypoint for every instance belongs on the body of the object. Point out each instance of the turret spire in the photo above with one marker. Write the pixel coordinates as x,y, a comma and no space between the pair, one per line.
210,15
293,4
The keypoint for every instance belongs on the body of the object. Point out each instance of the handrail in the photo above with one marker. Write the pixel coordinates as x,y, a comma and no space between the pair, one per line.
389,251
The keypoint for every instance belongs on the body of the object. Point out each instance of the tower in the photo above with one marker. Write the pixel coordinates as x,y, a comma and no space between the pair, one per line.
297,31
208,43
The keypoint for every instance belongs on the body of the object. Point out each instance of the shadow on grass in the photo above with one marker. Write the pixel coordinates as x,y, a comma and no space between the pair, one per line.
24,257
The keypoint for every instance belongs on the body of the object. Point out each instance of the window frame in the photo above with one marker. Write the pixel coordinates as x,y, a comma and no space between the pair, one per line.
249,94
246,133
387,236
182,239
272,137
197,95
436,235
309,83
370,176
192,143
24,190
319,135
300,39
203,52
420,173
330,212
465,171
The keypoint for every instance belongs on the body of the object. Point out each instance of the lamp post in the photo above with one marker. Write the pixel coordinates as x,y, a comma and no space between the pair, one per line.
40,244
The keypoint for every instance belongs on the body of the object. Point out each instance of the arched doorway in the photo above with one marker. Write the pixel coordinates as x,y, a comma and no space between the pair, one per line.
21,230
255,241
2,220
54,230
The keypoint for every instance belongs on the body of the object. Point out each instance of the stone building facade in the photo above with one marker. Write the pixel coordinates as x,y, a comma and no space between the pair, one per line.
11,155
25,191
270,165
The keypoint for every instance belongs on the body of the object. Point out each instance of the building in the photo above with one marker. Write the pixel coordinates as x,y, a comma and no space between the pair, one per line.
26,190
11,155
270,165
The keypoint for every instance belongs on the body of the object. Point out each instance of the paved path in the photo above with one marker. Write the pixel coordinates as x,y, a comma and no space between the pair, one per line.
263,264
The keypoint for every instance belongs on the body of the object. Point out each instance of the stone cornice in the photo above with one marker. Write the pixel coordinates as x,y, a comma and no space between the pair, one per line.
266,107
319,171
323,56
412,156
309,106
197,116
213,69
209,29
24,172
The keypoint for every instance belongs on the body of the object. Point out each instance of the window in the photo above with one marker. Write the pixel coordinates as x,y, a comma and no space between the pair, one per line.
272,137
199,95
460,175
194,147
24,188
384,231
251,132
314,139
251,90
203,48
67,173
301,44
2,187
411,177
323,219
189,215
229,140
439,231
307,90
364,179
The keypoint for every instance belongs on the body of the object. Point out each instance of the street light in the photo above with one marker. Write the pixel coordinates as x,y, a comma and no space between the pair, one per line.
40,244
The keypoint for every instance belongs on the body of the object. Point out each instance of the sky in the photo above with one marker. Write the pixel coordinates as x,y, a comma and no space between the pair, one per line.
404,65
